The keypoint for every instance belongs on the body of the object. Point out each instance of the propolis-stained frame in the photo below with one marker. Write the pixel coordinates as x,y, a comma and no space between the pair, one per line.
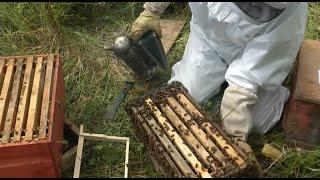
181,139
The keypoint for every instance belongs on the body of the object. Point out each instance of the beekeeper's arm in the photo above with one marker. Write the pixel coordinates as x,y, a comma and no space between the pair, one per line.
149,19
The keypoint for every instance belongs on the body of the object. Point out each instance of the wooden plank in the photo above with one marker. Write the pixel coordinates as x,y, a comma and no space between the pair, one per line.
102,137
222,142
2,72
215,125
77,165
155,148
12,109
271,152
167,144
24,99
184,149
73,127
22,138
189,137
5,92
44,117
170,31
69,157
197,131
34,100
126,161
21,56
189,106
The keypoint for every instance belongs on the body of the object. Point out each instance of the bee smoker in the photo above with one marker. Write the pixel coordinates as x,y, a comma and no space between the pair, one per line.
142,57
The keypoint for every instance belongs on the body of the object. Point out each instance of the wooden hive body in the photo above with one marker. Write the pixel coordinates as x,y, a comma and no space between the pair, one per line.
301,121
31,116
181,140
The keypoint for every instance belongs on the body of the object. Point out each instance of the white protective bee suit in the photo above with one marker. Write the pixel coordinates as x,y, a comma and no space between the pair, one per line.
252,46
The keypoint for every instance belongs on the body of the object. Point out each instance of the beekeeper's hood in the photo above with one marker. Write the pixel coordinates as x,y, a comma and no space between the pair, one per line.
260,12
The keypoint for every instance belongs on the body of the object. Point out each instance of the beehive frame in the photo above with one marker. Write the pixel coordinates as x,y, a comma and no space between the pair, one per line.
98,137
182,141
69,156
26,84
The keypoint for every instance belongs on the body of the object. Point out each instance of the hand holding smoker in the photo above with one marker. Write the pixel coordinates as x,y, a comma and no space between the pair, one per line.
141,58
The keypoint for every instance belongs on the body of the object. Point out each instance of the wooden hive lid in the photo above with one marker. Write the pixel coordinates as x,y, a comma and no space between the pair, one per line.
308,74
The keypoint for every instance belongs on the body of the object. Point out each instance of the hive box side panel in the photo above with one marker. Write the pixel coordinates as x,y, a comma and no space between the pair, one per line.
57,116
308,78
303,127
301,121
32,160
39,169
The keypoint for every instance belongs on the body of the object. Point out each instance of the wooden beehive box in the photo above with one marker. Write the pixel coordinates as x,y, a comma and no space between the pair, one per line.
31,116
301,120
180,138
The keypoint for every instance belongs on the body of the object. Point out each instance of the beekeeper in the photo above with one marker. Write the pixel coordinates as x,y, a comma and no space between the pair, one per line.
251,45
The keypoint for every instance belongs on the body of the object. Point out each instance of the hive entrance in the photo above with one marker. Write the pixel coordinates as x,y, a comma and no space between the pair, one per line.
26,85
180,138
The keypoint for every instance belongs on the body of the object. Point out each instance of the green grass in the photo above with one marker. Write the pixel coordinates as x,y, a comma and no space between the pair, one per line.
93,81
313,23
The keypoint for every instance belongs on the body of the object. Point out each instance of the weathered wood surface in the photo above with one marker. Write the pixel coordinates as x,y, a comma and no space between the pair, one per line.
170,32
21,119
11,114
45,109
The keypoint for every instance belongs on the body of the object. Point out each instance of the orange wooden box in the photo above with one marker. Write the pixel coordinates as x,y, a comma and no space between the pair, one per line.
301,121
31,116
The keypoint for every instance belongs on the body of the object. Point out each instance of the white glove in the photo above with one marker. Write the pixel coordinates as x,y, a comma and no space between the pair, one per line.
236,111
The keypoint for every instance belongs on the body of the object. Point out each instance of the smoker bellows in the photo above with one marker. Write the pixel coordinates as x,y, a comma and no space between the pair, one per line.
181,140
